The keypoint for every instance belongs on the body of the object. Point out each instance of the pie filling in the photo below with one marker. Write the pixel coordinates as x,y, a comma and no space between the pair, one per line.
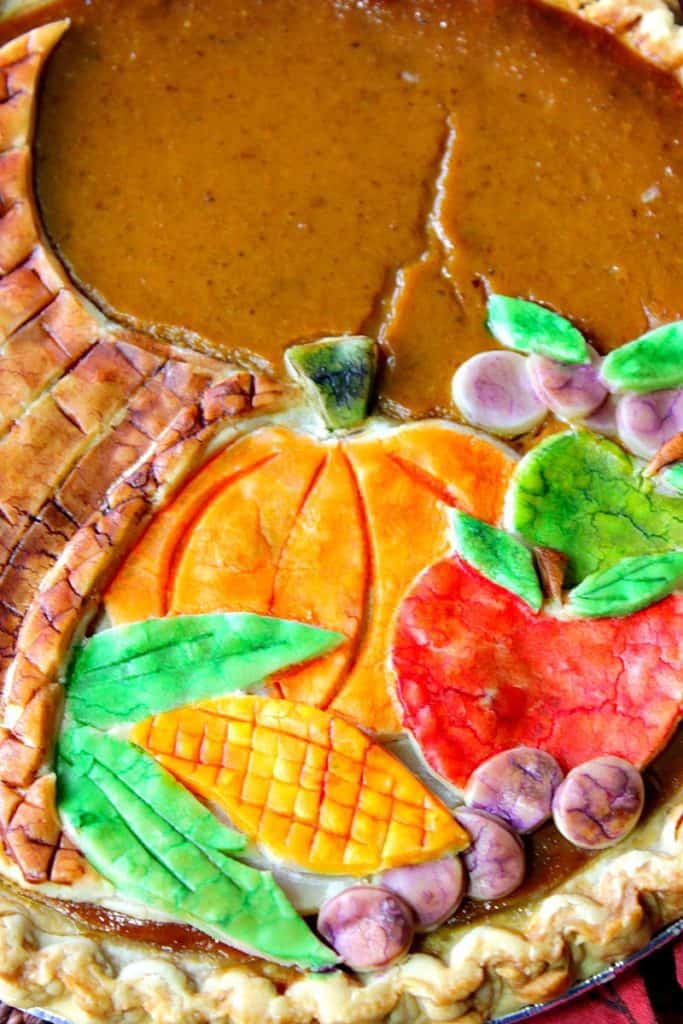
418,219
449,149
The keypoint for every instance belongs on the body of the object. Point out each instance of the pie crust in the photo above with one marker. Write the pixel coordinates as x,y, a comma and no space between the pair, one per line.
650,27
605,912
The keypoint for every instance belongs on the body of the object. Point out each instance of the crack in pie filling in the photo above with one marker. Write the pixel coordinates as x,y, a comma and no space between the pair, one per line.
341,504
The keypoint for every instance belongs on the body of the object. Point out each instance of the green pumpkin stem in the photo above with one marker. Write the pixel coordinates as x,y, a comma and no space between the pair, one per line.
338,375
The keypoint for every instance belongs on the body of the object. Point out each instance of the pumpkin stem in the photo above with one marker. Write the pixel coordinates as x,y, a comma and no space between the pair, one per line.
338,375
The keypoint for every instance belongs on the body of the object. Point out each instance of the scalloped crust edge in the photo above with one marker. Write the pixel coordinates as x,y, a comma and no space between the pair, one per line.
607,911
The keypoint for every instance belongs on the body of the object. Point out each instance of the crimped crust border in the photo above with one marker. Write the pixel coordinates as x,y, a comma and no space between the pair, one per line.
606,912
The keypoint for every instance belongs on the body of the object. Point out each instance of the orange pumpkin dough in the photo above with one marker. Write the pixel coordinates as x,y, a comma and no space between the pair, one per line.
330,533
408,479
310,788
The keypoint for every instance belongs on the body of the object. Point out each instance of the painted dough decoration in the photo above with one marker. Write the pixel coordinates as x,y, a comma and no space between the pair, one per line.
670,452
339,375
495,858
369,927
582,496
231,541
628,586
527,327
125,674
572,392
604,419
516,785
599,803
552,567
673,477
646,422
433,890
479,672
498,556
156,844
133,821
493,391
308,787
650,363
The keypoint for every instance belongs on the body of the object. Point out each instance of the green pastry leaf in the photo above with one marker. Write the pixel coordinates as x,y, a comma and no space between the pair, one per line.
158,845
527,327
628,586
128,673
85,749
650,363
673,476
583,496
339,376
498,556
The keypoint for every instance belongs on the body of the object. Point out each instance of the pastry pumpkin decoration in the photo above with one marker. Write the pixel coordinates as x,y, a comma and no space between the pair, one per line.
329,532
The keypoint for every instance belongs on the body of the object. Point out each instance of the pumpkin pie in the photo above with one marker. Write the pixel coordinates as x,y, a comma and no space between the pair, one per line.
341,504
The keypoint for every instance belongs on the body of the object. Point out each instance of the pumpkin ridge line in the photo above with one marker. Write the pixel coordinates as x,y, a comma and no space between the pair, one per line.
171,569
425,479
312,484
368,582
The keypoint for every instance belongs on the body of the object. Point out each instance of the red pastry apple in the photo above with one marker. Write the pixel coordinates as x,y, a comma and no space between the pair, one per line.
479,672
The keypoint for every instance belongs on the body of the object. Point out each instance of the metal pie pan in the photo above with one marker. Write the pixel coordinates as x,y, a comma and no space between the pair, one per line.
661,939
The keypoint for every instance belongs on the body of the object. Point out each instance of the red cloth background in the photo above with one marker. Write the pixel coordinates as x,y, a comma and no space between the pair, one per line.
628,999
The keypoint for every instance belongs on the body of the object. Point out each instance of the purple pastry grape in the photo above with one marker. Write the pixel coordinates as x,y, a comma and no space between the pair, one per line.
432,890
493,391
516,785
571,392
599,802
604,419
645,422
369,927
495,860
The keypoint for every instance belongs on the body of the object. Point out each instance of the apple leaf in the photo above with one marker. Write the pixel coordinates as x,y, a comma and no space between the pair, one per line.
628,586
498,556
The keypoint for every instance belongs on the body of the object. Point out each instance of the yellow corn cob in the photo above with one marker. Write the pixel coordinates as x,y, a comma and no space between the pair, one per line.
310,788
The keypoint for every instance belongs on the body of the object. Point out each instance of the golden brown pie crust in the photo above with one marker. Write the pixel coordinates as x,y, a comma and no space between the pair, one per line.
608,910
647,26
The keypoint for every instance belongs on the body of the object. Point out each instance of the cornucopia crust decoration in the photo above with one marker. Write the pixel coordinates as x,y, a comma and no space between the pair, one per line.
75,487
309,693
